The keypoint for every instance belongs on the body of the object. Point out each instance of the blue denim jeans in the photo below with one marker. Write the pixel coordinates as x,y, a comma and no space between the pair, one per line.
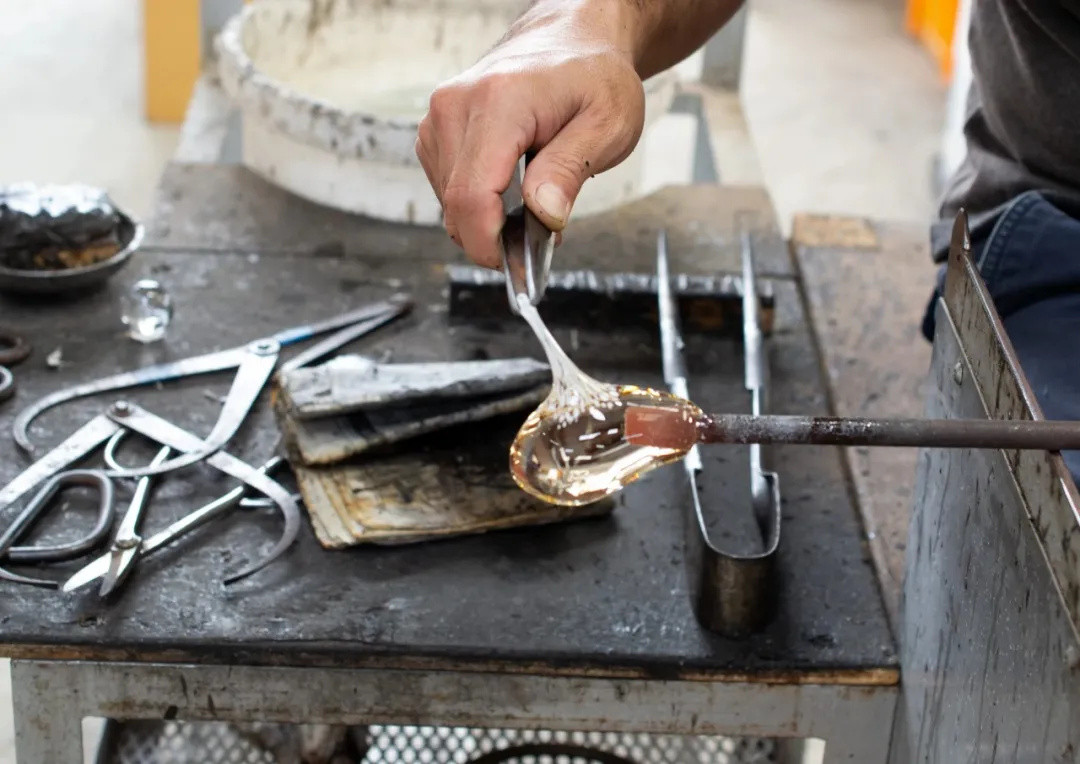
1031,264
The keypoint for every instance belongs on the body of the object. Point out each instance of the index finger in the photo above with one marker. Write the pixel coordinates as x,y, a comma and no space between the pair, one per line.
483,169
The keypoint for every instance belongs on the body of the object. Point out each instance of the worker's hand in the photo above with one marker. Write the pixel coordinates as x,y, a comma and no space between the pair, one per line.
561,81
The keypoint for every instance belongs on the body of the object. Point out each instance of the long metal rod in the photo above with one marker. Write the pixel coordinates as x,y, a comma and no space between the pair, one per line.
927,433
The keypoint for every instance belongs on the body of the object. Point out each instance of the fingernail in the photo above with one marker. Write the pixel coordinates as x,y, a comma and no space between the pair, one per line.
552,201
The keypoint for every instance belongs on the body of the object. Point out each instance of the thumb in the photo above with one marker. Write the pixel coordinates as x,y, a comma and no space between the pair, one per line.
587,145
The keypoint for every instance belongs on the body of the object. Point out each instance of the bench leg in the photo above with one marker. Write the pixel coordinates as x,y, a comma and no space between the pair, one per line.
866,746
48,718
862,731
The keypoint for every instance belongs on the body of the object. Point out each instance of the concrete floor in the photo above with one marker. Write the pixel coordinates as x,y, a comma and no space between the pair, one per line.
845,110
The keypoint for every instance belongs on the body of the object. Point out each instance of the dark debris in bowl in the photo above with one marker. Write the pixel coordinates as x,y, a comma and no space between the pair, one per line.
61,257
56,228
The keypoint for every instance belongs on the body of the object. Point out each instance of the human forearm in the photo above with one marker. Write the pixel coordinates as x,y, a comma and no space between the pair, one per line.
674,29
656,34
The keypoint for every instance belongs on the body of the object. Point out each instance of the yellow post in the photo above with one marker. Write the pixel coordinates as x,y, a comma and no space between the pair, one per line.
934,23
913,18
172,57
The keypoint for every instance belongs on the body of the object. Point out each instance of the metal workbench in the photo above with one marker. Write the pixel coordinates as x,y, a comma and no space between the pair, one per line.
582,626
989,620
991,624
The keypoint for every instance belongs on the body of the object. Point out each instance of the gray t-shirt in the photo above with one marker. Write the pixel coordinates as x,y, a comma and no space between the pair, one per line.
1023,113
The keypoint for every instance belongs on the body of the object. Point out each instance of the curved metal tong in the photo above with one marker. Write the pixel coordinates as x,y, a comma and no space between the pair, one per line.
254,362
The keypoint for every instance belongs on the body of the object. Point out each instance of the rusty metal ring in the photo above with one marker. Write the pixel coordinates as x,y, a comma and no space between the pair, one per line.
7,383
17,348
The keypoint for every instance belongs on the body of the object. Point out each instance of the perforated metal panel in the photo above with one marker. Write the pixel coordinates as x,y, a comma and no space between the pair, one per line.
175,743
221,743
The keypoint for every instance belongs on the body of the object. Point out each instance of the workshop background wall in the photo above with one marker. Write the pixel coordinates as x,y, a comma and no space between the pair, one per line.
845,108
71,98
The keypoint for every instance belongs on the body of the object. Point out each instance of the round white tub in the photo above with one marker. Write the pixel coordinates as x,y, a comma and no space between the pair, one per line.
332,93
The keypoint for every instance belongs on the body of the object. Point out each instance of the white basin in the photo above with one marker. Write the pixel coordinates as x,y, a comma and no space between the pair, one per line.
331,94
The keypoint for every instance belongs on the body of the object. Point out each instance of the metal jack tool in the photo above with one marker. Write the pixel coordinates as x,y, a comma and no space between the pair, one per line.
254,364
733,594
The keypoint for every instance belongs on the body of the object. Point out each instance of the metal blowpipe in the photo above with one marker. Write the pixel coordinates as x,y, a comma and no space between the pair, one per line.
669,428
928,433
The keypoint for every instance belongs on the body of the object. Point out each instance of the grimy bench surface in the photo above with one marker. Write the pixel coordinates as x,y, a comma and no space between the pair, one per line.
604,596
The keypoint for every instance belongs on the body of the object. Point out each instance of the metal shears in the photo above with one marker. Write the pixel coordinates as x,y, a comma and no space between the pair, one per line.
528,246
126,542
113,567
122,417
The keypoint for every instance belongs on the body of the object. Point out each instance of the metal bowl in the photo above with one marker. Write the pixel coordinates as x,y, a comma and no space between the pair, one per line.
45,282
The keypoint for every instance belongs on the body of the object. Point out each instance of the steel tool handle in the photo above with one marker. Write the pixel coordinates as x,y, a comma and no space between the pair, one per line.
129,525
396,306
528,246
206,513
754,346
671,341
764,485
915,433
